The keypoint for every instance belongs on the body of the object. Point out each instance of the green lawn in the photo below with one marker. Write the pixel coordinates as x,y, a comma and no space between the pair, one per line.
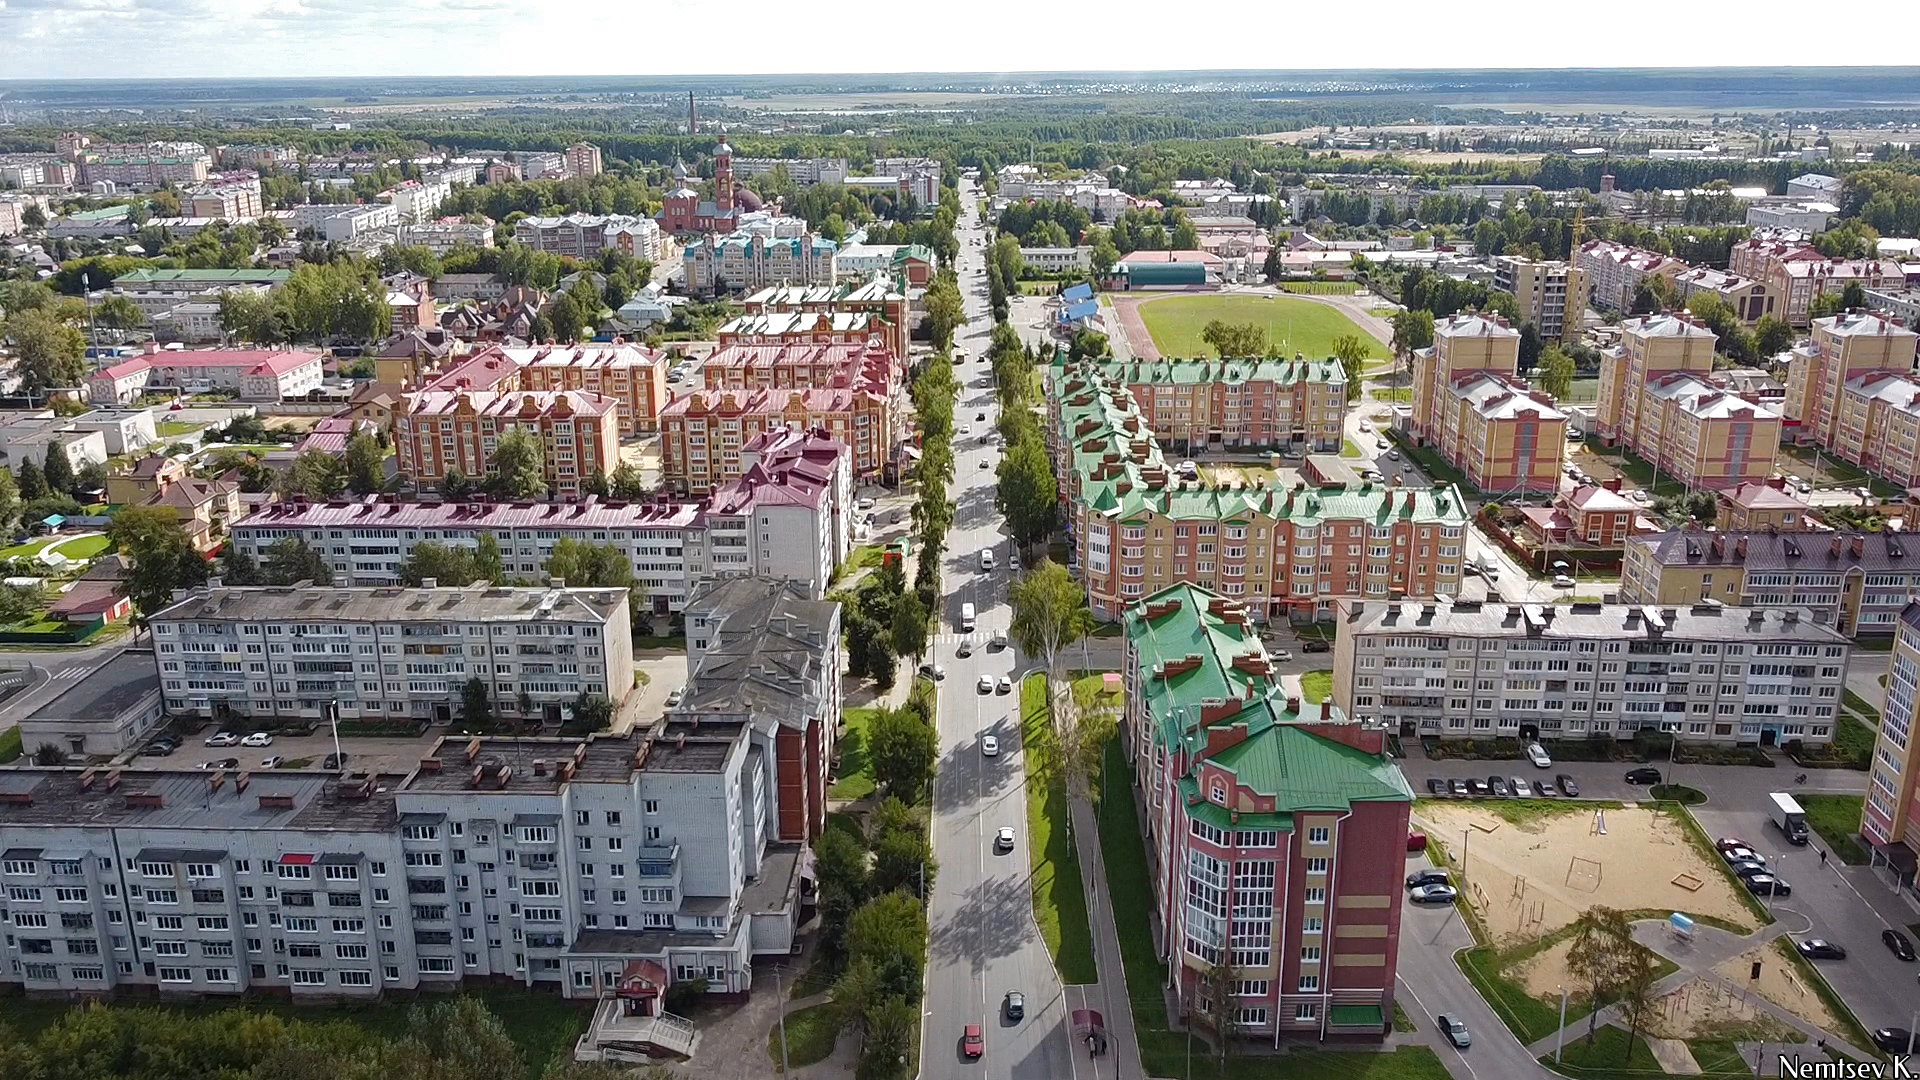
1291,325
31,547
1162,1050
170,429
1321,288
1837,819
10,745
87,547
543,1025
1859,705
1854,739
811,1033
1607,1057
856,767
1316,686
1638,471
1350,449
1059,899
1399,395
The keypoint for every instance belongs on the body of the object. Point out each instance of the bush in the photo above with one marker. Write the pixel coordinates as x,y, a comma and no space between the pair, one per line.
682,996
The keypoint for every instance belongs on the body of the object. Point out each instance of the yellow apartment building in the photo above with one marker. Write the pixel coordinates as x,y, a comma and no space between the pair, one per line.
1843,349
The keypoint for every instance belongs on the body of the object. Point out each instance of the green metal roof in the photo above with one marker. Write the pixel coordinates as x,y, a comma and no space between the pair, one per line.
1307,773
105,213
1163,273
148,274
1372,1016
1206,370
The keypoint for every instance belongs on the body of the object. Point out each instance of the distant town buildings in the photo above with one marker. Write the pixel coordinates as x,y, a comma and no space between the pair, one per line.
1614,271
583,159
803,172
585,236
747,261
1794,272
881,300
444,235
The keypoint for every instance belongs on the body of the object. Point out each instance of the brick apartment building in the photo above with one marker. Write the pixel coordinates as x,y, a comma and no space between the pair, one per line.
876,299
1855,582
1850,389
1550,295
1202,404
1890,820
441,431
634,376
1614,271
1794,272
1275,831
1658,398
1470,405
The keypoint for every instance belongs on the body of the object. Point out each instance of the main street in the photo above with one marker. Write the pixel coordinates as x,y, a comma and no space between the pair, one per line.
984,941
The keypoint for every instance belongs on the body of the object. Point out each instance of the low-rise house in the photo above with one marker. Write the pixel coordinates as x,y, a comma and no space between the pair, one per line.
131,486
113,710
1763,505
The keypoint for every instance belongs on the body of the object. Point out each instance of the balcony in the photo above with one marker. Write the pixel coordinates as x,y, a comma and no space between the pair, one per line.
659,860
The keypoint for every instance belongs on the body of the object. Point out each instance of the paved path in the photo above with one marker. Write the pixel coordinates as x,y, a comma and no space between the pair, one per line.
1108,996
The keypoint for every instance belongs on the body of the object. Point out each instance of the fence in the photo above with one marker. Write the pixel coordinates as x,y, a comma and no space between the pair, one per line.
53,633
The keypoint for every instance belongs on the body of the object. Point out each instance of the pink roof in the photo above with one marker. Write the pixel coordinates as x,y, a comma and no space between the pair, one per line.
795,468
256,361
511,403
589,513
833,399
483,370
1596,499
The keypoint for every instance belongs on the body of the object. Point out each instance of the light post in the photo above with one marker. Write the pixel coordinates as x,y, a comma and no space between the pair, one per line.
1560,1036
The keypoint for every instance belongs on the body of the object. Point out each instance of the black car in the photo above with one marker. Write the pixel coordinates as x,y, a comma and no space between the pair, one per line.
1746,868
1897,942
157,749
1478,788
1893,1040
1458,788
334,761
1767,885
1499,786
1643,776
1542,789
1418,878
1567,787
1820,949
1315,645
1016,1005
1436,787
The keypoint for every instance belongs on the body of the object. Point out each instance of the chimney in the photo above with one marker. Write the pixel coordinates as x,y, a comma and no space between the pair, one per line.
539,767
429,583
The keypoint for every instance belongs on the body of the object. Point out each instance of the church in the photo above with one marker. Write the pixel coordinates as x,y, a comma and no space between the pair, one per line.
685,212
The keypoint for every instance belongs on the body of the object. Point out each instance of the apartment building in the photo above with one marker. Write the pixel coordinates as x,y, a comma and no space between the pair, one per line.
268,375
1703,672
634,376
257,156
1848,389
1058,260
878,299
803,172
296,651
1206,405
918,177
1749,299
1795,272
1470,405
1658,396
1138,526
1294,884
1855,582
702,434
440,431
744,261
150,164
443,236
234,201
788,516
417,201
804,328
583,159
1762,505
585,236
1891,818
1614,271
1551,295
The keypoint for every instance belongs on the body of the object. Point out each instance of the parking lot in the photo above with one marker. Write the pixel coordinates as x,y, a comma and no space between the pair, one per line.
665,670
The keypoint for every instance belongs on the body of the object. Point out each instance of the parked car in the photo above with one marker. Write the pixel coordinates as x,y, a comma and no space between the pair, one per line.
334,761
221,763
989,746
971,1043
1382,444
273,762
1567,787
675,696
1003,840
1728,843
1897,942
1416,840
1767,885
1434,894
1643,775
1521,789
1893,1040
1538,755
1478,788
1435,876
1740,854
1499,786
1543,790
223,738
1316,645
965,650
1005,686
258,738
998,640
1279,656
986,684
1455,1029
933,671
1820,949
1563,581
156,749
1746,868
1436,787
1016,1006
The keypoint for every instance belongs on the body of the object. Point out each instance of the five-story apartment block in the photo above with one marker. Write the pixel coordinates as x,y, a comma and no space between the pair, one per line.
442,431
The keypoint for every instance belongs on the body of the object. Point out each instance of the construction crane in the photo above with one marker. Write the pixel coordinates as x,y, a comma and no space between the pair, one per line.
1579,229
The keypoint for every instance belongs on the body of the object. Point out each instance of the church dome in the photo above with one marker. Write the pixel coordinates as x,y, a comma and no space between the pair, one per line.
748,201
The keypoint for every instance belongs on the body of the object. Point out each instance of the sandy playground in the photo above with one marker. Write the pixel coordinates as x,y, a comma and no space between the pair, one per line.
1529,879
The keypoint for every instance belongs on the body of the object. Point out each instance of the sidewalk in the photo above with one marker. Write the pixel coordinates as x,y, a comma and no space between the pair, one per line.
1108,997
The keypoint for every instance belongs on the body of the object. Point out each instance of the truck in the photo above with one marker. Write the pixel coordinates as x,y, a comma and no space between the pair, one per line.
1786,813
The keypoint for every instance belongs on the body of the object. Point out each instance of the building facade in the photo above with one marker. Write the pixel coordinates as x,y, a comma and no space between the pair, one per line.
1295,885
269,375
1471,406
1614,271
878,299
1657,398
585,236
1890,820
788,516
441,431
1207,405
1846,387
1703,672
745,261
1855,582
1551,295
401,653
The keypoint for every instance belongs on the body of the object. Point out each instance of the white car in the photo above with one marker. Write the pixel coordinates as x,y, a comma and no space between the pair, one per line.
1538,755
1003,840
989,746
1280,655
223,738
1562,581
1005,686
273,762
258,738
986,684
675,696
1364,426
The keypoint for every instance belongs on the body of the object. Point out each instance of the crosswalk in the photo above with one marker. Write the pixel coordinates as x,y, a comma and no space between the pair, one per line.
73,673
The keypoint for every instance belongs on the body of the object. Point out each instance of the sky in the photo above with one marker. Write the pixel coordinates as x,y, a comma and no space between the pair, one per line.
237,38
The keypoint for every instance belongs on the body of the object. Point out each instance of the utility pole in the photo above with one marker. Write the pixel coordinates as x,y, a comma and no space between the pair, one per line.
1560,1036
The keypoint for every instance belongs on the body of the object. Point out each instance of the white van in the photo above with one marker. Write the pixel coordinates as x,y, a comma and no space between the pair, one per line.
986,560
966,618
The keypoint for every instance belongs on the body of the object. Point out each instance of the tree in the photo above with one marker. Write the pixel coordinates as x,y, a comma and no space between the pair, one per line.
33,482
903,748
58,470
1222,1007
1412,331
840,861
1272,267
33,217
52,351
1556,371
91,477
518,466
946,310
460,1040
890,932
1026,492
626,482
476,705
456,485
118,312
890,1022
366,464
1655,293
162,559
290,560
1602,936
585,565
1235,340
1824,305
1853,297
902,851
453,566
565,317
1352,354
1530,346
9,500
238,568
249,316
596,483
909,628
316,474
1772,336
590,712
1049,612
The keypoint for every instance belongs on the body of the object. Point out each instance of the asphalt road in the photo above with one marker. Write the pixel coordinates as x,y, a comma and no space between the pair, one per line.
52,673
984,941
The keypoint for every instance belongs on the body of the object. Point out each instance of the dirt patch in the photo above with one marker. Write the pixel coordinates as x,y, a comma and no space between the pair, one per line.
1545,972
1715,1008
1530,878
1778,983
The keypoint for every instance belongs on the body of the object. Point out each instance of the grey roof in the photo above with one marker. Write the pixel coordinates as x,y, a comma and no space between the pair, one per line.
533,764
1707,621
646,942
1761,552
107,692
188,799
327,604
767,652
695,745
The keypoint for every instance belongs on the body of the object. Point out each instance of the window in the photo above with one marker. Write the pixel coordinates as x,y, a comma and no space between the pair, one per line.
309,977
1319,834
356,978
1310,954
1306,1012
1309,983
1252,1017
1316,866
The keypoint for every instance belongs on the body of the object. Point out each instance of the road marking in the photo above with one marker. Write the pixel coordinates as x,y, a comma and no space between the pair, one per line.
1429,1015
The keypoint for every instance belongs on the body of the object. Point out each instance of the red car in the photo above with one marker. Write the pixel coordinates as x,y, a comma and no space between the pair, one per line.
1416,841
971,1044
